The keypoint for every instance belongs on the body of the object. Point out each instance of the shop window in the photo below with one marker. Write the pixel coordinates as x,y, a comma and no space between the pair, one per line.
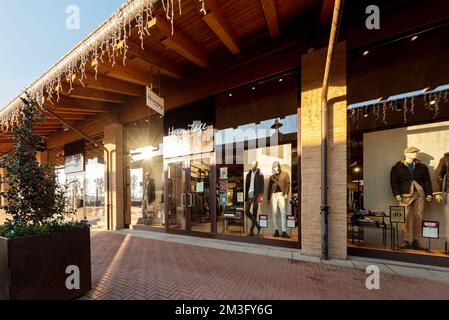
398,172
145,186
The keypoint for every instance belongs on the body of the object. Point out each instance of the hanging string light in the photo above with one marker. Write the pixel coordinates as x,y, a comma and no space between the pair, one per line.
110,39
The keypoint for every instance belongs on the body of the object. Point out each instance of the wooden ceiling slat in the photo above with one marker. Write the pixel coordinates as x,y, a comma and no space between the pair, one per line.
180,43
214,19
125,73
113,85
271,17
168,68
96,95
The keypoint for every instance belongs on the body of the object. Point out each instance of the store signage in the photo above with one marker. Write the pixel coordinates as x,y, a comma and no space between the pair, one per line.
397,214
223,173
155,102
263,221
74,157
194,127
431,229
223,199
198,138
291,222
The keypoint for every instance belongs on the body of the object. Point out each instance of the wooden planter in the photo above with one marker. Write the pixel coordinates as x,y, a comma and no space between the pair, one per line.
35,267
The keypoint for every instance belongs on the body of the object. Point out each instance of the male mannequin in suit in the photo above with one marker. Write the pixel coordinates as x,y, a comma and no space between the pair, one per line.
254,188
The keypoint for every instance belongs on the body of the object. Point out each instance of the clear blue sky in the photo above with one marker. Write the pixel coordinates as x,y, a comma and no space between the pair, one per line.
33,36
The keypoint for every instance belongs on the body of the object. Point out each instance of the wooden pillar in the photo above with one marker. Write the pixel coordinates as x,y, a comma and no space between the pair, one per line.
313,64
114,164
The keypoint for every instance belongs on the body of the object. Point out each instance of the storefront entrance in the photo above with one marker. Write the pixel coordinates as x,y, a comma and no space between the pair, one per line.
189,195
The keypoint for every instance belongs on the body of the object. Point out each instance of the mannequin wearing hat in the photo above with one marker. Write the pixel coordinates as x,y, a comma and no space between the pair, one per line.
411,186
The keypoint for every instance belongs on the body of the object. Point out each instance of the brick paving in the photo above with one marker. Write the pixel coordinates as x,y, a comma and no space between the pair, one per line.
126,267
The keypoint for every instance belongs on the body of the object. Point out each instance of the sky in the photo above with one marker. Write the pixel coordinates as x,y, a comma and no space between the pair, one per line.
33,36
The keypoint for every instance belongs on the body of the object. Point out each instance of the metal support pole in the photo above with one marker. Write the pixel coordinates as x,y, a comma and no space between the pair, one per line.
324,209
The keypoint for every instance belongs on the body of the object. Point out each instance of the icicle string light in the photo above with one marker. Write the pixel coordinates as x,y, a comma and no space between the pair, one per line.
108,40
431,101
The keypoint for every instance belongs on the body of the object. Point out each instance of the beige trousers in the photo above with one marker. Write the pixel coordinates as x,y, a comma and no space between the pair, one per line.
414,213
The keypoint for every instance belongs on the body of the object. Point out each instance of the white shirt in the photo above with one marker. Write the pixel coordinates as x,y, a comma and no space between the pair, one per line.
251,185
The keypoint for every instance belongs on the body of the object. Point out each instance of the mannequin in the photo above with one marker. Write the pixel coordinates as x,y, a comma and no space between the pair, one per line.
441,185
411,186
278,191
254,186
149,194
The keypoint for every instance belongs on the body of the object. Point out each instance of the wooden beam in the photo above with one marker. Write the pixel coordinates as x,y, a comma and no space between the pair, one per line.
166,67
271,17
113,85
180,43
96,95
326,11
79,106
125,73
215,20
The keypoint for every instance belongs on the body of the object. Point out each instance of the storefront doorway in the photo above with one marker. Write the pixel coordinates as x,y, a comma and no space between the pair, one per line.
189,195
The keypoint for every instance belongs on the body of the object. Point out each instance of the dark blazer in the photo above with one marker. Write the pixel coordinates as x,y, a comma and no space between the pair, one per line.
441,172
401,178
259,184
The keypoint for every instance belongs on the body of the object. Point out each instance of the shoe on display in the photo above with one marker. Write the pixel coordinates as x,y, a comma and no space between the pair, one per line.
404,245
276,234
417,246
285,235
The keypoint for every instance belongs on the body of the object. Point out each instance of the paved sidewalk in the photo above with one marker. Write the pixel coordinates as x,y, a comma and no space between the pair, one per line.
129,266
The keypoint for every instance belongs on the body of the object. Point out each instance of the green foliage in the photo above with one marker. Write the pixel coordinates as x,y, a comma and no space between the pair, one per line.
33,198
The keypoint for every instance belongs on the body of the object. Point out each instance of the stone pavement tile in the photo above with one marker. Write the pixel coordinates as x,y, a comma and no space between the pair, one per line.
413,272
341,263
298,256
280,254
363,264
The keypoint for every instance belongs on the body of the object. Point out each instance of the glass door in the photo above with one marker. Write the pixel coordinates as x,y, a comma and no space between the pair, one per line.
200,195
176,196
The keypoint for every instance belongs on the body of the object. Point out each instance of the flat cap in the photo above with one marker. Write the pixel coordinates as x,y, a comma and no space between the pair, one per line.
411,150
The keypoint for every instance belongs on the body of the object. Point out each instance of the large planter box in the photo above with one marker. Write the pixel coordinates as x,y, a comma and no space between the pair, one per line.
35,267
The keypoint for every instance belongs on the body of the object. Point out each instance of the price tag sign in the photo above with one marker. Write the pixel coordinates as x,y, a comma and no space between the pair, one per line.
263,221
431,229
291,222
397,214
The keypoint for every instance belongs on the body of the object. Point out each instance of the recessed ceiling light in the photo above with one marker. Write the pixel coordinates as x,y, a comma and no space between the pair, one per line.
414,38
230,94
254,88
280,80
365,53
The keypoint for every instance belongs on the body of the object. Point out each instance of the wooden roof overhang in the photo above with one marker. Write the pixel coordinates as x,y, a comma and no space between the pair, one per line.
206,54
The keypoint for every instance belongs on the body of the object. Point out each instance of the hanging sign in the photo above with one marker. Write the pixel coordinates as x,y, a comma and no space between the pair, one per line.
431,229
155,102
397,214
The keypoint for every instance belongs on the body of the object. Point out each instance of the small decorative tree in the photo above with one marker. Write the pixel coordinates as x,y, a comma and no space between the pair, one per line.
33,198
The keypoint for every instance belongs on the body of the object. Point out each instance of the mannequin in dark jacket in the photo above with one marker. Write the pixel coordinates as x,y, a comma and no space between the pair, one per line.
411,186
441,173
149,193
254,188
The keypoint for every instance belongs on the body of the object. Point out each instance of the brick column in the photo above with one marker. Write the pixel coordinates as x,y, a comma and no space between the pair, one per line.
113,141
313,65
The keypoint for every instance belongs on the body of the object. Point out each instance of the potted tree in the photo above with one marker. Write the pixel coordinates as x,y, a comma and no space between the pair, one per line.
43,253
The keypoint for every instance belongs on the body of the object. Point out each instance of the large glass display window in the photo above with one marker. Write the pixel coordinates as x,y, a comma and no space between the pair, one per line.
398,195
257,162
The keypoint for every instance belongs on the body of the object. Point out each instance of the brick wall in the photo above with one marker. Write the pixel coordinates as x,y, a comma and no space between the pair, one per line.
312,68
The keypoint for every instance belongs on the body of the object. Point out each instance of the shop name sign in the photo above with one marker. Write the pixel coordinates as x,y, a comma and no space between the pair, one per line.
155,102
194,127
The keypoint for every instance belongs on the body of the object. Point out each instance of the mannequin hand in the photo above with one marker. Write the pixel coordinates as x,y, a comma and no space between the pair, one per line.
398,197
429,198
439,198
285,196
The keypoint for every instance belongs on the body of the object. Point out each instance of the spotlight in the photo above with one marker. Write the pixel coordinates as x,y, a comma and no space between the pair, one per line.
414,38
433,102
365,53
280,80
253,88
230,94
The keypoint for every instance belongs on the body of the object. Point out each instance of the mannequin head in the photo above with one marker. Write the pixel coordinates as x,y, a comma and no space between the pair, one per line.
411,154
147,175
276,167
254,165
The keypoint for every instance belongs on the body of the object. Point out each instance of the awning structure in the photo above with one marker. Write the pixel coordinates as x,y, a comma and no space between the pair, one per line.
157,43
